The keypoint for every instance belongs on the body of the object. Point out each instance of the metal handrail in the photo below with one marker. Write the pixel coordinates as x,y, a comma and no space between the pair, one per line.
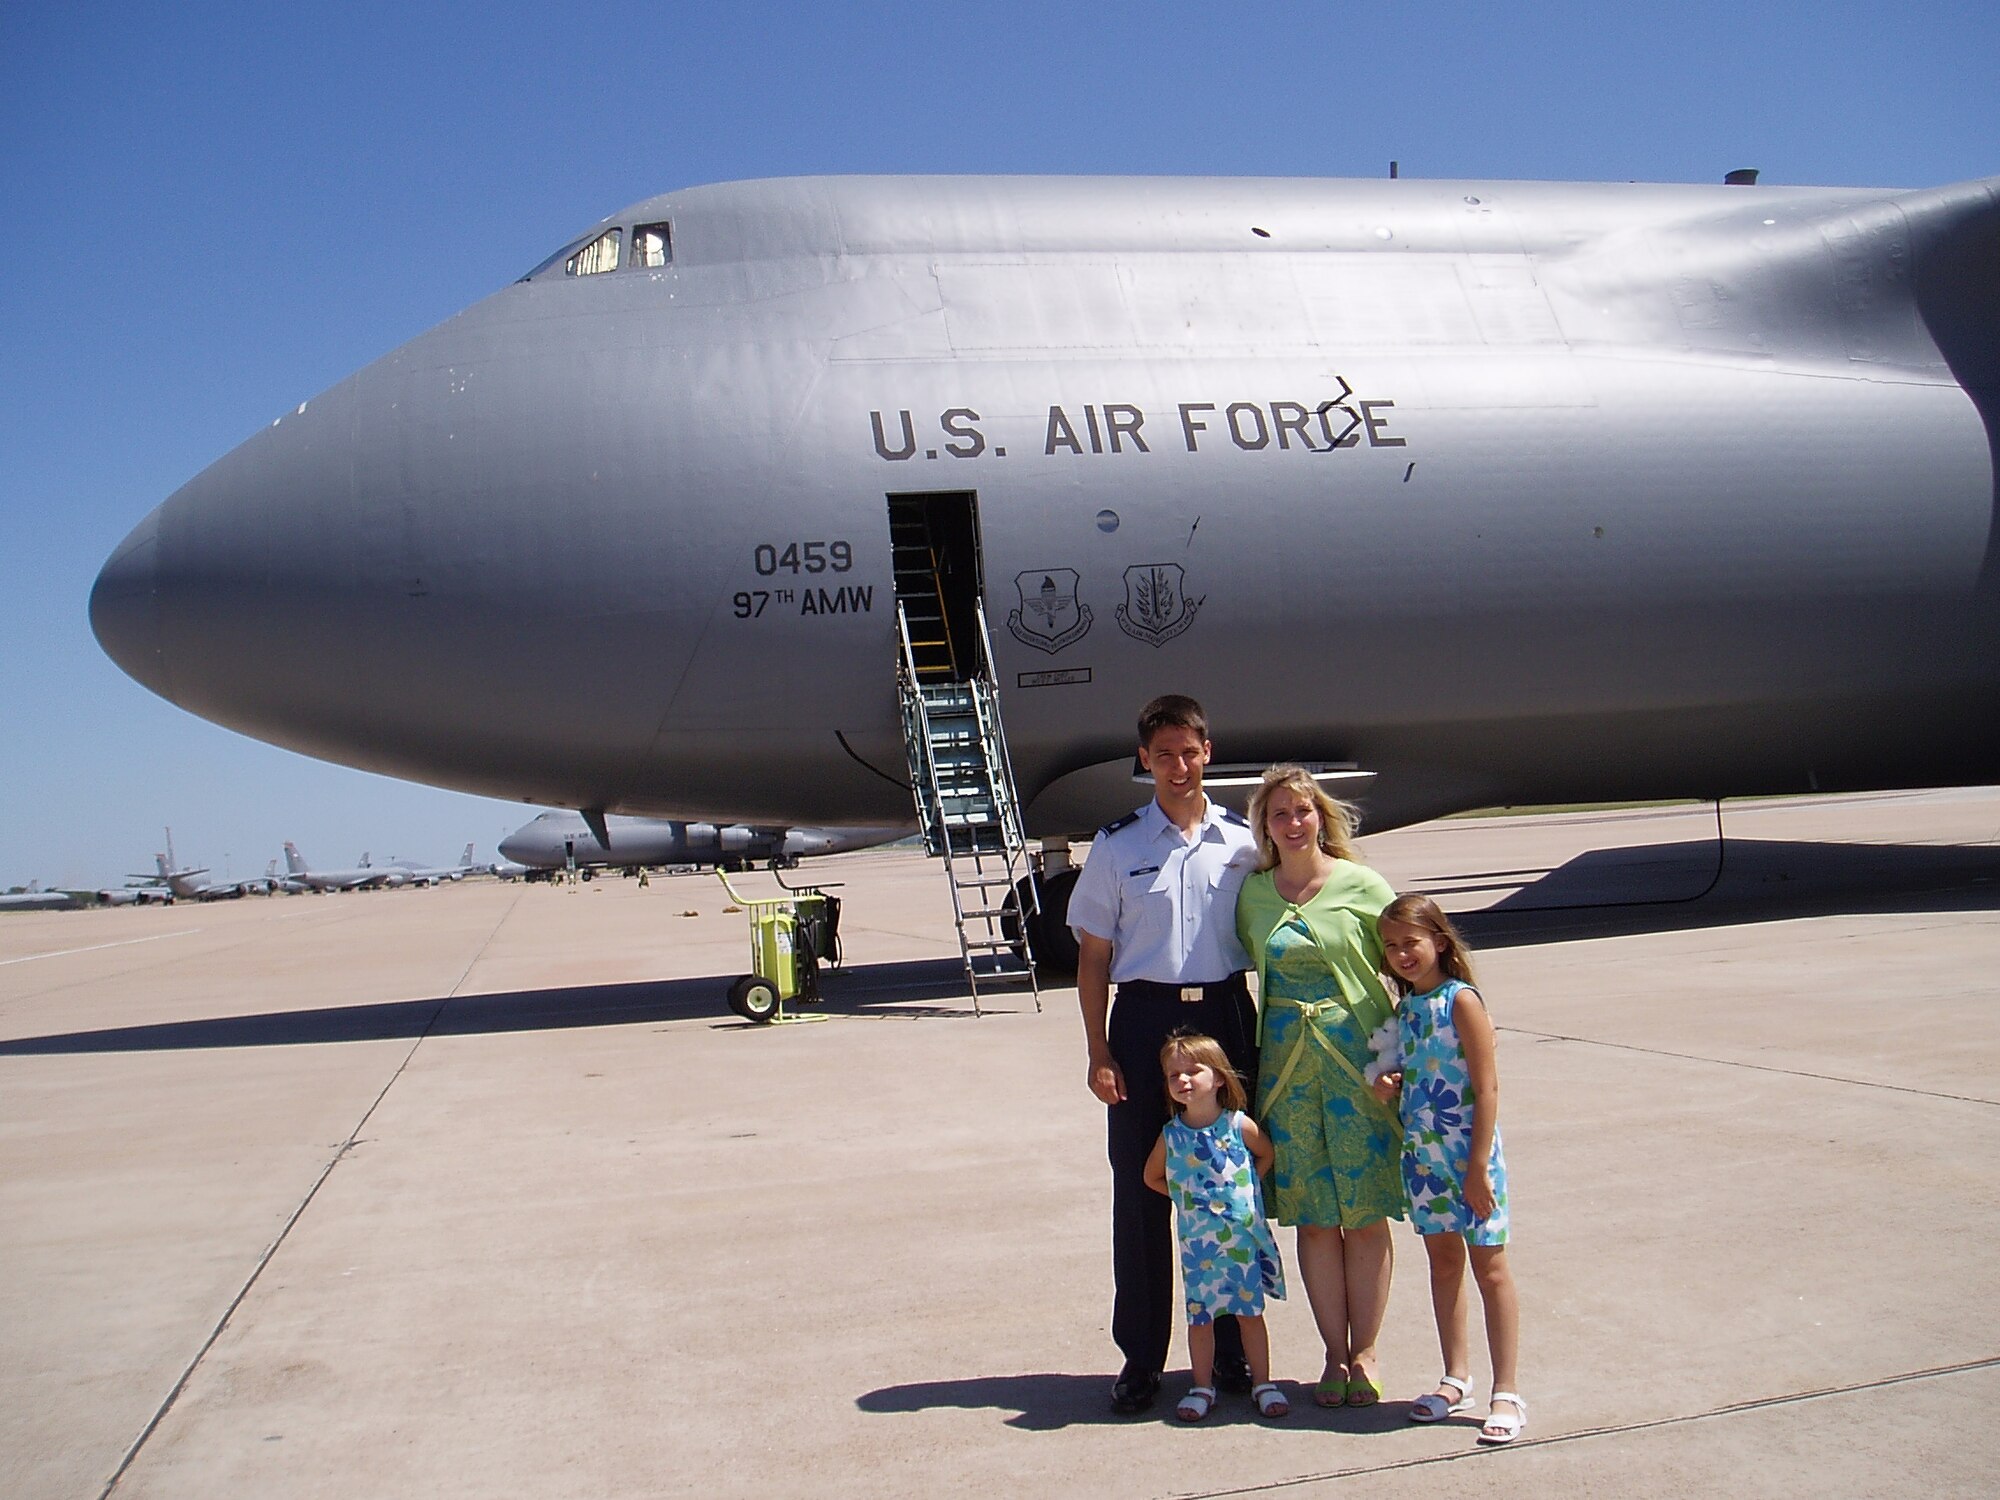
923,773
1010,800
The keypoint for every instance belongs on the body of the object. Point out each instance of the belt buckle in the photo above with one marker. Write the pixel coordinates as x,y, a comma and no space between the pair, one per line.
1190,994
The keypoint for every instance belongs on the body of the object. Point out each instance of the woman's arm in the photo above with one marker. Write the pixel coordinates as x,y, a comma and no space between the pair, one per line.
1475,1036
1261,1150
1378,894
1253,924
1156,1167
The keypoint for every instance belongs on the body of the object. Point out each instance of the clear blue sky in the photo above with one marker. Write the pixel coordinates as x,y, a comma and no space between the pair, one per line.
211,212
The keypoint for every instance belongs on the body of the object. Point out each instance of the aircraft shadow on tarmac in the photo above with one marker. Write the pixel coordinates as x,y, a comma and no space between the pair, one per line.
878,989
1602,893
1050,1402
1684,886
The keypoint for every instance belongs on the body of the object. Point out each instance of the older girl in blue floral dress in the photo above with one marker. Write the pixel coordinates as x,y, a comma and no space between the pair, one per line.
1452,1166
1207,1162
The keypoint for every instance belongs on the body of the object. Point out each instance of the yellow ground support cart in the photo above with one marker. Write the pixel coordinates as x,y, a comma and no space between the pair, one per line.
790,937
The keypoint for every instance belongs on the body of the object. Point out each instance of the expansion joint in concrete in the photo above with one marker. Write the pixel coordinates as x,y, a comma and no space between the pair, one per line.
339,1154
1718,1413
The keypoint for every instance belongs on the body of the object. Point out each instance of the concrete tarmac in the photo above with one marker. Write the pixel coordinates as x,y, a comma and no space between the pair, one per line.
481,1191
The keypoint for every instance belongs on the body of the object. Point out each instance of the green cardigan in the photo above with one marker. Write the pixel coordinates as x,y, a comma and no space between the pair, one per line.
1341,919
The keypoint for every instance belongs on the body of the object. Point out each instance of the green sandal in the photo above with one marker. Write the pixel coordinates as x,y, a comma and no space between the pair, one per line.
1361,1391
1331,1390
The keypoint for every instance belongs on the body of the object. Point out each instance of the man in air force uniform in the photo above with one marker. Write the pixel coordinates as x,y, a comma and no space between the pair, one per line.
1154,911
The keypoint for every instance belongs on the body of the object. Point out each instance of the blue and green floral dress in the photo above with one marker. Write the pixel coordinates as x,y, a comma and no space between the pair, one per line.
1437,1123
1336,1145
1229,1262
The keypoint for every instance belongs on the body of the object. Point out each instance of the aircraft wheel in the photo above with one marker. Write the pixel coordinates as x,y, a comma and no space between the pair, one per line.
1048,931
754,998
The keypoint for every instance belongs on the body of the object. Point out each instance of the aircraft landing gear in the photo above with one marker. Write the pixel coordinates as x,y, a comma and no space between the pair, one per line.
1048,929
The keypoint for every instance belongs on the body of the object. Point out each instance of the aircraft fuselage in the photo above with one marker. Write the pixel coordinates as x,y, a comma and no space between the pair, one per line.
1503,492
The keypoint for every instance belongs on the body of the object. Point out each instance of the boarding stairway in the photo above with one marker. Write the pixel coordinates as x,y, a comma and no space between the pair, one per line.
962,780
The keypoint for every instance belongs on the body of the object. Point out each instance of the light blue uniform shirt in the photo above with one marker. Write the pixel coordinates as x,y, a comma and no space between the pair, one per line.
1166,904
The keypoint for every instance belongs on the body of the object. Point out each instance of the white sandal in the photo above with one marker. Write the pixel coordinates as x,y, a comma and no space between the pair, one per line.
1502,1429
1431,1407
1196,1404
1270,1400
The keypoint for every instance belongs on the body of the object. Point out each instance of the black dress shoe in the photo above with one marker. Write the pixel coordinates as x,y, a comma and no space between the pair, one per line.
1232,1374
1134,1391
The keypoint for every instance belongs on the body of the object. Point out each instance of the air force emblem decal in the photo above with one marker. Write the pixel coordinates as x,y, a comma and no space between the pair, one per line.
1050,617
1156,607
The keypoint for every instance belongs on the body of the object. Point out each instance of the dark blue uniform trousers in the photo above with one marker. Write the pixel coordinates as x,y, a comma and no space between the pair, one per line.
1142,1242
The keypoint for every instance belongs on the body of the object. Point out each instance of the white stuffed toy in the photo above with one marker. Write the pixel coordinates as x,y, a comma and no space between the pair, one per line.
1386,1042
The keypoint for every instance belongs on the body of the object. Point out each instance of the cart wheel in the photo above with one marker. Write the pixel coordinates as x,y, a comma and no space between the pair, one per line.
754,998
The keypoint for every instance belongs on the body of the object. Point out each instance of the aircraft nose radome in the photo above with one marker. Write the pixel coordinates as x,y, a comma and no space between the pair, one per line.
528,844
125,607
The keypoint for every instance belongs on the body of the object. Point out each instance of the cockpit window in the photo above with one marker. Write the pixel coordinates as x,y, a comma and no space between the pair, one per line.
652,245
600,255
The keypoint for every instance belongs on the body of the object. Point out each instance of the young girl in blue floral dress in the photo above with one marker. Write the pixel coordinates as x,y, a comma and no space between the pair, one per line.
1207,1161
1452,1166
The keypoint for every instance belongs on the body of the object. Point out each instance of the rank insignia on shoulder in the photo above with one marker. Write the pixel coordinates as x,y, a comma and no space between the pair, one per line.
1117,823
1231,815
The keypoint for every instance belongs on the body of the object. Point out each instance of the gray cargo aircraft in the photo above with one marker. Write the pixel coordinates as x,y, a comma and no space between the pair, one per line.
1478,492
555,839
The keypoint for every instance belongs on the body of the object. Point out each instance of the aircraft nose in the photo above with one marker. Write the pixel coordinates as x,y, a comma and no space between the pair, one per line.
124,607
415,573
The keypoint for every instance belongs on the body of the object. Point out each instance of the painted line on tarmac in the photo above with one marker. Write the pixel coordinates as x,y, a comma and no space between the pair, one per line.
121,943
1736,1408
339,1155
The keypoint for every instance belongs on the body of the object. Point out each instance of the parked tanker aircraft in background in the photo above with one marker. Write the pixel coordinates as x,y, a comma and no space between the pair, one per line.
556,840
1475,492
170,882
136,895
33,897
417,874
362,877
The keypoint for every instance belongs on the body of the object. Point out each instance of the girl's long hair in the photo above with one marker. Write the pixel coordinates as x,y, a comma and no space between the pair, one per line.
1420,911
1208,1051
1337,820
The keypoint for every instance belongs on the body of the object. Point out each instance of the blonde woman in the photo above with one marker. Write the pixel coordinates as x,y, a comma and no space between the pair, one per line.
1307,920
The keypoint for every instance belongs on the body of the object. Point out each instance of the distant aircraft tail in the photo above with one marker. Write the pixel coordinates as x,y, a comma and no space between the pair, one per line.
161,861
294,861
465,859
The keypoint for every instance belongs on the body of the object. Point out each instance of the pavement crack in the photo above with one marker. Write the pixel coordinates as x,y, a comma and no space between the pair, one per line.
340,1154
1732,1409
1752,1067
